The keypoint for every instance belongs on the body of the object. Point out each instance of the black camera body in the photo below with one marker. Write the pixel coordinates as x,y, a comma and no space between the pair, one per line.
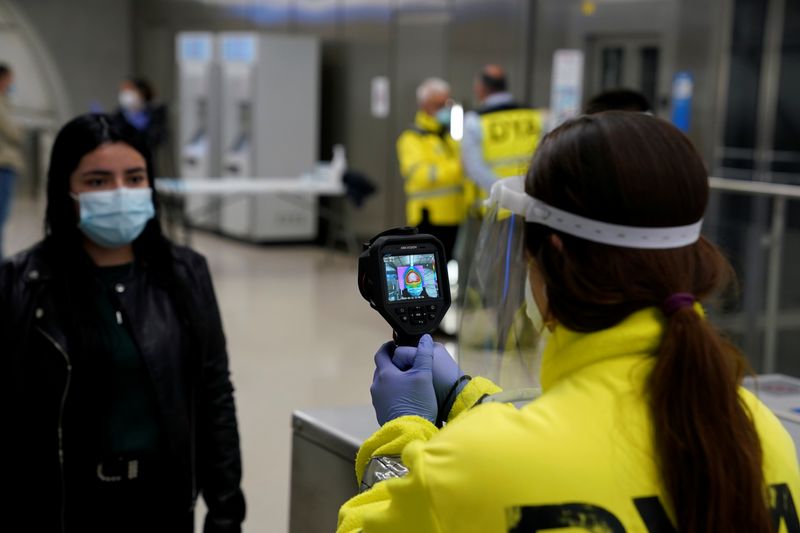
403,276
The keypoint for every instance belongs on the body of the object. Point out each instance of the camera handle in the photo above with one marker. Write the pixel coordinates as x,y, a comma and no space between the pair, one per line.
406,340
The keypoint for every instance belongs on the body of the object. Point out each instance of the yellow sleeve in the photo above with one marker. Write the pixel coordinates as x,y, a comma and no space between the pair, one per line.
405,504
393,438
422,168
397,505
476,389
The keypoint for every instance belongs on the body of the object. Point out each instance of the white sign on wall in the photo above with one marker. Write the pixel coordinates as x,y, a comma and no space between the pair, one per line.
380,97
567,85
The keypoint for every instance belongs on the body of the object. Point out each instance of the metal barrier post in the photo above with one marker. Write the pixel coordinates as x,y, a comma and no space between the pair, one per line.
774,283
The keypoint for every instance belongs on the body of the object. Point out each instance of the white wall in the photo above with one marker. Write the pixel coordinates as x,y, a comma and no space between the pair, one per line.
89,44
37,84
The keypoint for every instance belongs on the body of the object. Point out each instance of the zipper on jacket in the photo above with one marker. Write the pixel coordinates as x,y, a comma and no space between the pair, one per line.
63,352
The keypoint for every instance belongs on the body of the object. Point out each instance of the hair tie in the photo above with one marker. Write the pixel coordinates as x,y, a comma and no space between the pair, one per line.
676,302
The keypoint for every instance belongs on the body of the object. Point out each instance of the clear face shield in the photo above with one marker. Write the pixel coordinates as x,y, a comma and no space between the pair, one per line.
502,335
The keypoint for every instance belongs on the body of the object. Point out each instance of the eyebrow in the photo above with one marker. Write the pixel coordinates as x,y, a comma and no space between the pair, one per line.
102,172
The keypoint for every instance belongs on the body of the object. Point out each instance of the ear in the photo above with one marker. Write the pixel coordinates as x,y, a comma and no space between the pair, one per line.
556,241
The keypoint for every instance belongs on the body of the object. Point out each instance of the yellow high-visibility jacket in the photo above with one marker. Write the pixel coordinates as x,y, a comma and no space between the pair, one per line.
510,136
431,167
579,458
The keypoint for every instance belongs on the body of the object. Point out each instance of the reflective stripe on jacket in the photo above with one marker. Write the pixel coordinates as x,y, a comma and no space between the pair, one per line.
579,458
431,169
510,137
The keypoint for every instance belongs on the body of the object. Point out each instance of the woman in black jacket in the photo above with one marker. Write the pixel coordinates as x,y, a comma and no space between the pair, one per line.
118,409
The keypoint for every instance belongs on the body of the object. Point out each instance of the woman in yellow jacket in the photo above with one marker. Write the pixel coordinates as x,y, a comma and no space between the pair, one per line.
643,425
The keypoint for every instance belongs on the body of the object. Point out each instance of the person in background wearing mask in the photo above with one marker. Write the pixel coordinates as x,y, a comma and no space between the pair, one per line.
430,166
642,423
138,108
117,405
11,158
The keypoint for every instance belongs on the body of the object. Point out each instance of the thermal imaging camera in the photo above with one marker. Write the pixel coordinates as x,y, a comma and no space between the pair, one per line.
402,274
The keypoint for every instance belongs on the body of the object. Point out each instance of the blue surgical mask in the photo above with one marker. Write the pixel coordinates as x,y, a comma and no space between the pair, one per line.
443,116
112,219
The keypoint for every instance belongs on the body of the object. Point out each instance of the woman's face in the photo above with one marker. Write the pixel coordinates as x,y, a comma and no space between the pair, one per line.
108,167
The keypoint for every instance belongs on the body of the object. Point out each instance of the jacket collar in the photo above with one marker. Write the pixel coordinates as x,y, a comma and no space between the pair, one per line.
569,351
497,99
426,122
36,268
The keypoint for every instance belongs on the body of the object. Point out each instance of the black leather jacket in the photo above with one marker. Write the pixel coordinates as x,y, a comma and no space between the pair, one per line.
44,403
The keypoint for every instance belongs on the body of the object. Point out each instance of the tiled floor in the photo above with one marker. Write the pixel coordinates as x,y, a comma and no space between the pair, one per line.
299,335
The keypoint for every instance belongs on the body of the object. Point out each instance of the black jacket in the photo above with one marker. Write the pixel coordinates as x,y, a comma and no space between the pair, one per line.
46,410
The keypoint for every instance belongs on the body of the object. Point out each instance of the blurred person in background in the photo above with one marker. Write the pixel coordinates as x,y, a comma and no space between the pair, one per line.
431,168
618,100
499,140
500,136
138,107
11,157
117,409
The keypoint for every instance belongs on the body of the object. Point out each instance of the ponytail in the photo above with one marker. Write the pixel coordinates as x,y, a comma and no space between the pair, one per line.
709,452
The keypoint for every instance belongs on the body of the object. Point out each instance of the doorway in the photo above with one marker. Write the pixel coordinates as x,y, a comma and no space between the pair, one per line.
629,61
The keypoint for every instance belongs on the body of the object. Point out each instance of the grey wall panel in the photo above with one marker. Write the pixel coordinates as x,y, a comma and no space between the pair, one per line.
419,51
316,17
488,31
91,44
550,23
365,54
40,98
189,15
322,19
698,46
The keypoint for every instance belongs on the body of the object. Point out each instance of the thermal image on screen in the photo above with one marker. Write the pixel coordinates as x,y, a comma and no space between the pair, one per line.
411,277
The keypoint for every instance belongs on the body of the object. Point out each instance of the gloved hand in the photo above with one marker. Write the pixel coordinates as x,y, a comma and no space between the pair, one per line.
396,392
445,371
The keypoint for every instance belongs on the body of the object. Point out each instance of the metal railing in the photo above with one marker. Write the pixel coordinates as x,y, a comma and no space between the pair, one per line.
779,194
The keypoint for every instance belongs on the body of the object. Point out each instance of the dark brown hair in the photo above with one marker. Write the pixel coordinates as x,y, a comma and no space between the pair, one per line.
637,170
619,100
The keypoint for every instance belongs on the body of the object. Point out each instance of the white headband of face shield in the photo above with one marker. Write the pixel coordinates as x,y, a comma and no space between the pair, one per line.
510,194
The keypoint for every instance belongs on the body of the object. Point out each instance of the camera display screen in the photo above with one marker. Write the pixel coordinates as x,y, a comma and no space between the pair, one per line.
411,277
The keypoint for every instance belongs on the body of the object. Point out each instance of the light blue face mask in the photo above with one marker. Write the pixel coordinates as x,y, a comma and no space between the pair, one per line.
443,116
115,218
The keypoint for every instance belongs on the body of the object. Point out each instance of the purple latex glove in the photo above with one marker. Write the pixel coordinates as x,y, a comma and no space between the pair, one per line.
396,392
445,371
